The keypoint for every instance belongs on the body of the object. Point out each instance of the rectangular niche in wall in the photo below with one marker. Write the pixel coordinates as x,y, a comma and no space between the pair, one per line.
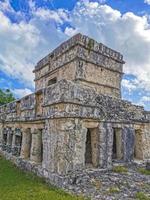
52,81
4,138
91,148
117,149
138,149
39,102
18,108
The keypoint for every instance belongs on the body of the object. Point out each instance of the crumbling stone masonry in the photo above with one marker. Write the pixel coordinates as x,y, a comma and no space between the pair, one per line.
76,118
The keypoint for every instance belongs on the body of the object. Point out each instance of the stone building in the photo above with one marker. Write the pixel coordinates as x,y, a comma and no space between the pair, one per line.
76,118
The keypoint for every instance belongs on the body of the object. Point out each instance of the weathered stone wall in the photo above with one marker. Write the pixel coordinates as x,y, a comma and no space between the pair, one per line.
82,61
69,99
68,71
102,80
1,134
64,145
78,101
146,141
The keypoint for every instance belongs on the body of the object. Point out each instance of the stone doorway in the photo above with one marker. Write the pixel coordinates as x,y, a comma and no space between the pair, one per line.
4,141
117,151
138,150
91,148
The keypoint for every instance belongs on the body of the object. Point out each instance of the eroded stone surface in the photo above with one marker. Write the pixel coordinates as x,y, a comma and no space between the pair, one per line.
109,185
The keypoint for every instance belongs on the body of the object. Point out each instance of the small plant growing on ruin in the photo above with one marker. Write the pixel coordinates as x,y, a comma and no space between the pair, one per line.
142,196
120,169
97,184
144,171
90,45
113,190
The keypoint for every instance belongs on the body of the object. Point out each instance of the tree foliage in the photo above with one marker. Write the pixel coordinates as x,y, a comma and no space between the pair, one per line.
6,96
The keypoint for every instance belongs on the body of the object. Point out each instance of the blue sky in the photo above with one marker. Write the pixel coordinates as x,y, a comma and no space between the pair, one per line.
29,29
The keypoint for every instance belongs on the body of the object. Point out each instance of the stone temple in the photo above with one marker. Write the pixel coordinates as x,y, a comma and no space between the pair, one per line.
76,118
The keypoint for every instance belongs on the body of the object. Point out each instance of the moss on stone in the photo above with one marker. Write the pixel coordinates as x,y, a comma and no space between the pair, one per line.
90,44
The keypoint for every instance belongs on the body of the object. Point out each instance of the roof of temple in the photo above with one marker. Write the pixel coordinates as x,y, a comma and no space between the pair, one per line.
84,41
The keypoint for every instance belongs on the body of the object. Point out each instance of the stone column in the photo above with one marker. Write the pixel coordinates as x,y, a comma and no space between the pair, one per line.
4,139
128,140
105,145
26,143
1,136
13,142
18,141
36,146
9,140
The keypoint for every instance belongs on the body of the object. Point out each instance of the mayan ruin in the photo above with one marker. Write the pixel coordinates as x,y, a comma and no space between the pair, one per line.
76,119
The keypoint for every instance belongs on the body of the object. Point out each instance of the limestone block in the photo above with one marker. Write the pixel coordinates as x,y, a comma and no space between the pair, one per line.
26,143
36,146
128,139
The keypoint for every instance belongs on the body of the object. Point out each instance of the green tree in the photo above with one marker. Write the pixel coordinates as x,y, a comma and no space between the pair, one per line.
6,96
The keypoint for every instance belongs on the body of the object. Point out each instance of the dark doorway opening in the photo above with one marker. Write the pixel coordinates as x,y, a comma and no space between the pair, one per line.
91,148
5,139
114,151
88,151
117,148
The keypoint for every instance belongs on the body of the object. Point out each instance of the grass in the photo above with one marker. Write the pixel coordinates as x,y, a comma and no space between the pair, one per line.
120,169
18,185
113,190
144,171
142,196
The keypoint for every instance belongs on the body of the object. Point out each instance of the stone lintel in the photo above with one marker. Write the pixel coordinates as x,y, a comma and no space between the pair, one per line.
90,124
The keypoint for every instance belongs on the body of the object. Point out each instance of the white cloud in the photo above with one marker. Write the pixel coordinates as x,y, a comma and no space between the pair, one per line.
147,2
144,101
19,93
70,31
102,1
129,85
60,16
5,5
23,44
127,33
146,98
18,42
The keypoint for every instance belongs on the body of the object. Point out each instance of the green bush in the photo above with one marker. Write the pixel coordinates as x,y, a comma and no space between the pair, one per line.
144,171
113,190
142,196
120,169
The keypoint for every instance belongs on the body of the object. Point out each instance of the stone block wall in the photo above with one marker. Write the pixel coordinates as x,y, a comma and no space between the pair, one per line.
83,60
63,142
146,141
